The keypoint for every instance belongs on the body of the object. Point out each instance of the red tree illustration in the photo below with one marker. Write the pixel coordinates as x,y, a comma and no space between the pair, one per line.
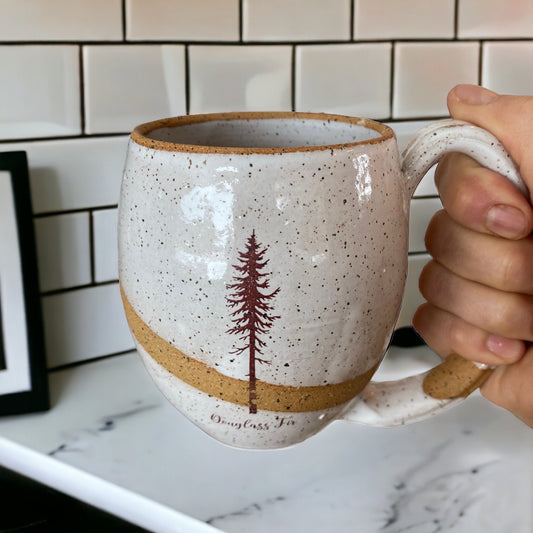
251,308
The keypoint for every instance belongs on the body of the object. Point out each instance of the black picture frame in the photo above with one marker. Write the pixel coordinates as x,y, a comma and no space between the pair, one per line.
23,373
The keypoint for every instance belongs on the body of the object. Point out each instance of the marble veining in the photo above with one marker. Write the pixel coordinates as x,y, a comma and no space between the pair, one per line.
107,423
249,510
433,503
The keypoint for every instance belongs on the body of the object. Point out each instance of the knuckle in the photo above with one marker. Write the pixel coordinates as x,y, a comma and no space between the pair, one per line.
426,281
456,336
433,231
516,317
513,264
422,320
530,325
522,317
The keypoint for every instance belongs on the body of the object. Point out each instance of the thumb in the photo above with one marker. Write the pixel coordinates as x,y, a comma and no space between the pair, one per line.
509,118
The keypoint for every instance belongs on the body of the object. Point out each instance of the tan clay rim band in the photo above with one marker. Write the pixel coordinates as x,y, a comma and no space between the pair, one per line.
270,397
140,134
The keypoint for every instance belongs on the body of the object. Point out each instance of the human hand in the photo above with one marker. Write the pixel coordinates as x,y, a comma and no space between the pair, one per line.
479,285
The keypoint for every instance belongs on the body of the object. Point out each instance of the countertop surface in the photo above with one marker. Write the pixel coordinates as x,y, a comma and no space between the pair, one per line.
113,441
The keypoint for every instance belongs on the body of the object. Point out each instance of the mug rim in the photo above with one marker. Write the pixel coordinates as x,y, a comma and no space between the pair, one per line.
140,133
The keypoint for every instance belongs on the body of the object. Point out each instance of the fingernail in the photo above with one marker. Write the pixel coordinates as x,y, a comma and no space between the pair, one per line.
506,221
504,347
474,94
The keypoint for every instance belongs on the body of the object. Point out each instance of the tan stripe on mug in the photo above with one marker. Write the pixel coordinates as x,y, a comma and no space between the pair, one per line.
270,397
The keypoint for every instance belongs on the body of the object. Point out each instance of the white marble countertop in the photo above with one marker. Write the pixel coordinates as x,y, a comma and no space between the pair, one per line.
113,441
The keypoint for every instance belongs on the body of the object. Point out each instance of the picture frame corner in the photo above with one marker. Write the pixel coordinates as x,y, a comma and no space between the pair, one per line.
23,370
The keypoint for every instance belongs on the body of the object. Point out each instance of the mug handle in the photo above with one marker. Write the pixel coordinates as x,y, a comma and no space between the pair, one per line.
403,401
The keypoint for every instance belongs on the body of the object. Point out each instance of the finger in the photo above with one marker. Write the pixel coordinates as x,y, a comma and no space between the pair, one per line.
510,387
492,261
507,117
481,199
447,334
502,313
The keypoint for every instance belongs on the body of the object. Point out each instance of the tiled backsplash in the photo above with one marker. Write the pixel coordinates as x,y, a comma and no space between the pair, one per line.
76,77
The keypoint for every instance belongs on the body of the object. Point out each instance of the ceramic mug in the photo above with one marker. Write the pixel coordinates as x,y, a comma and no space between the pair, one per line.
262,263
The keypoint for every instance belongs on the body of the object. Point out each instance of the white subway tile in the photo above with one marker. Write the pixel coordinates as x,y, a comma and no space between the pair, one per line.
422,209
480,19
182,20
60,20
74,173
83,324
404,132
508,67
352,79
427,186
63,251
412,297
425,72
105,245
296,20
405,19
39,91
239,78
129,85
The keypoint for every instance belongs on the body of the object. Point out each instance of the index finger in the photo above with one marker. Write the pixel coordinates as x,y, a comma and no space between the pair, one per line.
482,200
507,117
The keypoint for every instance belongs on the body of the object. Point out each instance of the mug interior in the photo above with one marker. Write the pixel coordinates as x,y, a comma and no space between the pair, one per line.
259,132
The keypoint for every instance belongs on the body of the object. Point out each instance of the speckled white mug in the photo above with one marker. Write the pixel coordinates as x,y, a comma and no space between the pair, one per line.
263,258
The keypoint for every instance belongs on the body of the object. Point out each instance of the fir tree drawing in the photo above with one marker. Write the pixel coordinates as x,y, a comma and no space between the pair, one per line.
251,307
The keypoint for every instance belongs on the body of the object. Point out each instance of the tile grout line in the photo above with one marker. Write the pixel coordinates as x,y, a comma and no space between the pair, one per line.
187,80
480,63
456,20
92,252
272,43
82,136
68,366
65,290
241,21
352,20
392,78
81,74
73,211
293,78
124,29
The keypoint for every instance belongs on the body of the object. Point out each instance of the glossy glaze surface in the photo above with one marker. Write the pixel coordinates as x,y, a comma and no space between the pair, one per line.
329,226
